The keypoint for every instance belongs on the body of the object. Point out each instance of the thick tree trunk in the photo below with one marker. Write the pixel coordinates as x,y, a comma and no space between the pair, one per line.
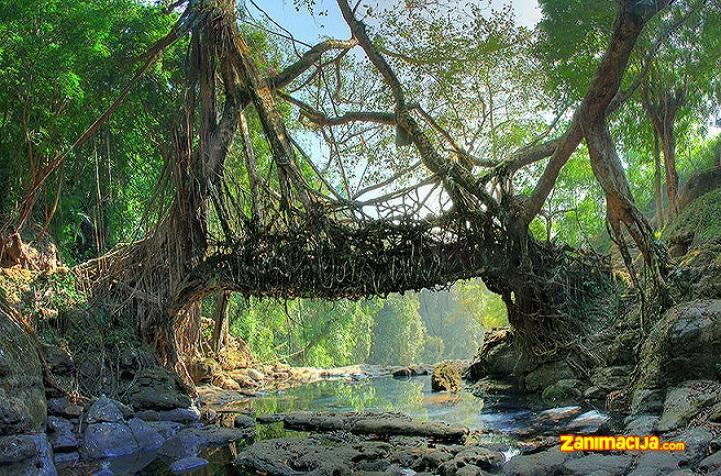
220,337
658,188
621,208
668,141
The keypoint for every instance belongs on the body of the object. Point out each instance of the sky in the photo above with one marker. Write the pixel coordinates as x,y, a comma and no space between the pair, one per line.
309,28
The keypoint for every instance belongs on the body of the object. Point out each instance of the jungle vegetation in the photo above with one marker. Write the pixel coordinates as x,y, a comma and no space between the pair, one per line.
195,158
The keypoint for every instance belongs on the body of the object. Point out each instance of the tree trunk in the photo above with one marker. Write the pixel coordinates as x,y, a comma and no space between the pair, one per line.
220,337
668,141
660,218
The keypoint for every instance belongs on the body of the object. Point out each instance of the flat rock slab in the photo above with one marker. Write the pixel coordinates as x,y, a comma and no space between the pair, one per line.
382,424
345,454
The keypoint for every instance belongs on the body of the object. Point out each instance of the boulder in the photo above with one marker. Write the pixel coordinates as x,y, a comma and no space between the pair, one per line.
23,408
612,378
657,463
684,403
179,415
61,434
244,421
684,345
446,377
107,440
548,374
498,357
370,423
700,183
551,461
147,437
26,455
641,425
105,410
566,389
598,464
155,388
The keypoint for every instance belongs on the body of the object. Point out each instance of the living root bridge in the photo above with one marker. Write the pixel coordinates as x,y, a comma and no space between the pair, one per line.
338,261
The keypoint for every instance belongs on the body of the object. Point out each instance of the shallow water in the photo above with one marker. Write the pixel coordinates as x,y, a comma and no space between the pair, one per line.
506,417
506,411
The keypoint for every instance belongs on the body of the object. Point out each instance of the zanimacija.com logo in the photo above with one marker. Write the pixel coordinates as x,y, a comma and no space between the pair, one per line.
570,443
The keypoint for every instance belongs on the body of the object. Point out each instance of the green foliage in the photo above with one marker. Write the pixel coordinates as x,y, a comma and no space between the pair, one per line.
398,332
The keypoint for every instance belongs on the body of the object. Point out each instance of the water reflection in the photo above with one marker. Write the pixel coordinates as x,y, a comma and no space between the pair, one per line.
507,412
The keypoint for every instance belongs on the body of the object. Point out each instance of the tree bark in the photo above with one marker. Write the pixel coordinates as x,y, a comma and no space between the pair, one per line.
221,336
658,188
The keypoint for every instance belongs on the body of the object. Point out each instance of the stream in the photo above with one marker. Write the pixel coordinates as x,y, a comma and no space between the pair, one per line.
506,418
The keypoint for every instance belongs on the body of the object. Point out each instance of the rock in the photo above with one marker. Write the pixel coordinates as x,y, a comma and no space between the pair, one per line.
244,421
566,389
711,463
179,415
166,429
647,401
480,457
403,372
270,418
699,184
470,470
147,437
186,465
612,378
498,357
23,408
14,449
107,440
551,461
369,423
61,434
684,345
656,463
203,370
589,422
419,370
594,393
155,389
73,411
684,403
66,459
105,410
641,425
621,350
547,375
446,377
294,456
59,360
598,464
255,374
26,455
189,441
56,406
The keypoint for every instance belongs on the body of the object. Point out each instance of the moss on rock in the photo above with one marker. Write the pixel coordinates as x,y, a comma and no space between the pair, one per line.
446,377
23,407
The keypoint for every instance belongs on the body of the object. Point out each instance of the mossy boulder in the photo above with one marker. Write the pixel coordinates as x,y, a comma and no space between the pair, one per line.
446,377
155,388
23,408
684,345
